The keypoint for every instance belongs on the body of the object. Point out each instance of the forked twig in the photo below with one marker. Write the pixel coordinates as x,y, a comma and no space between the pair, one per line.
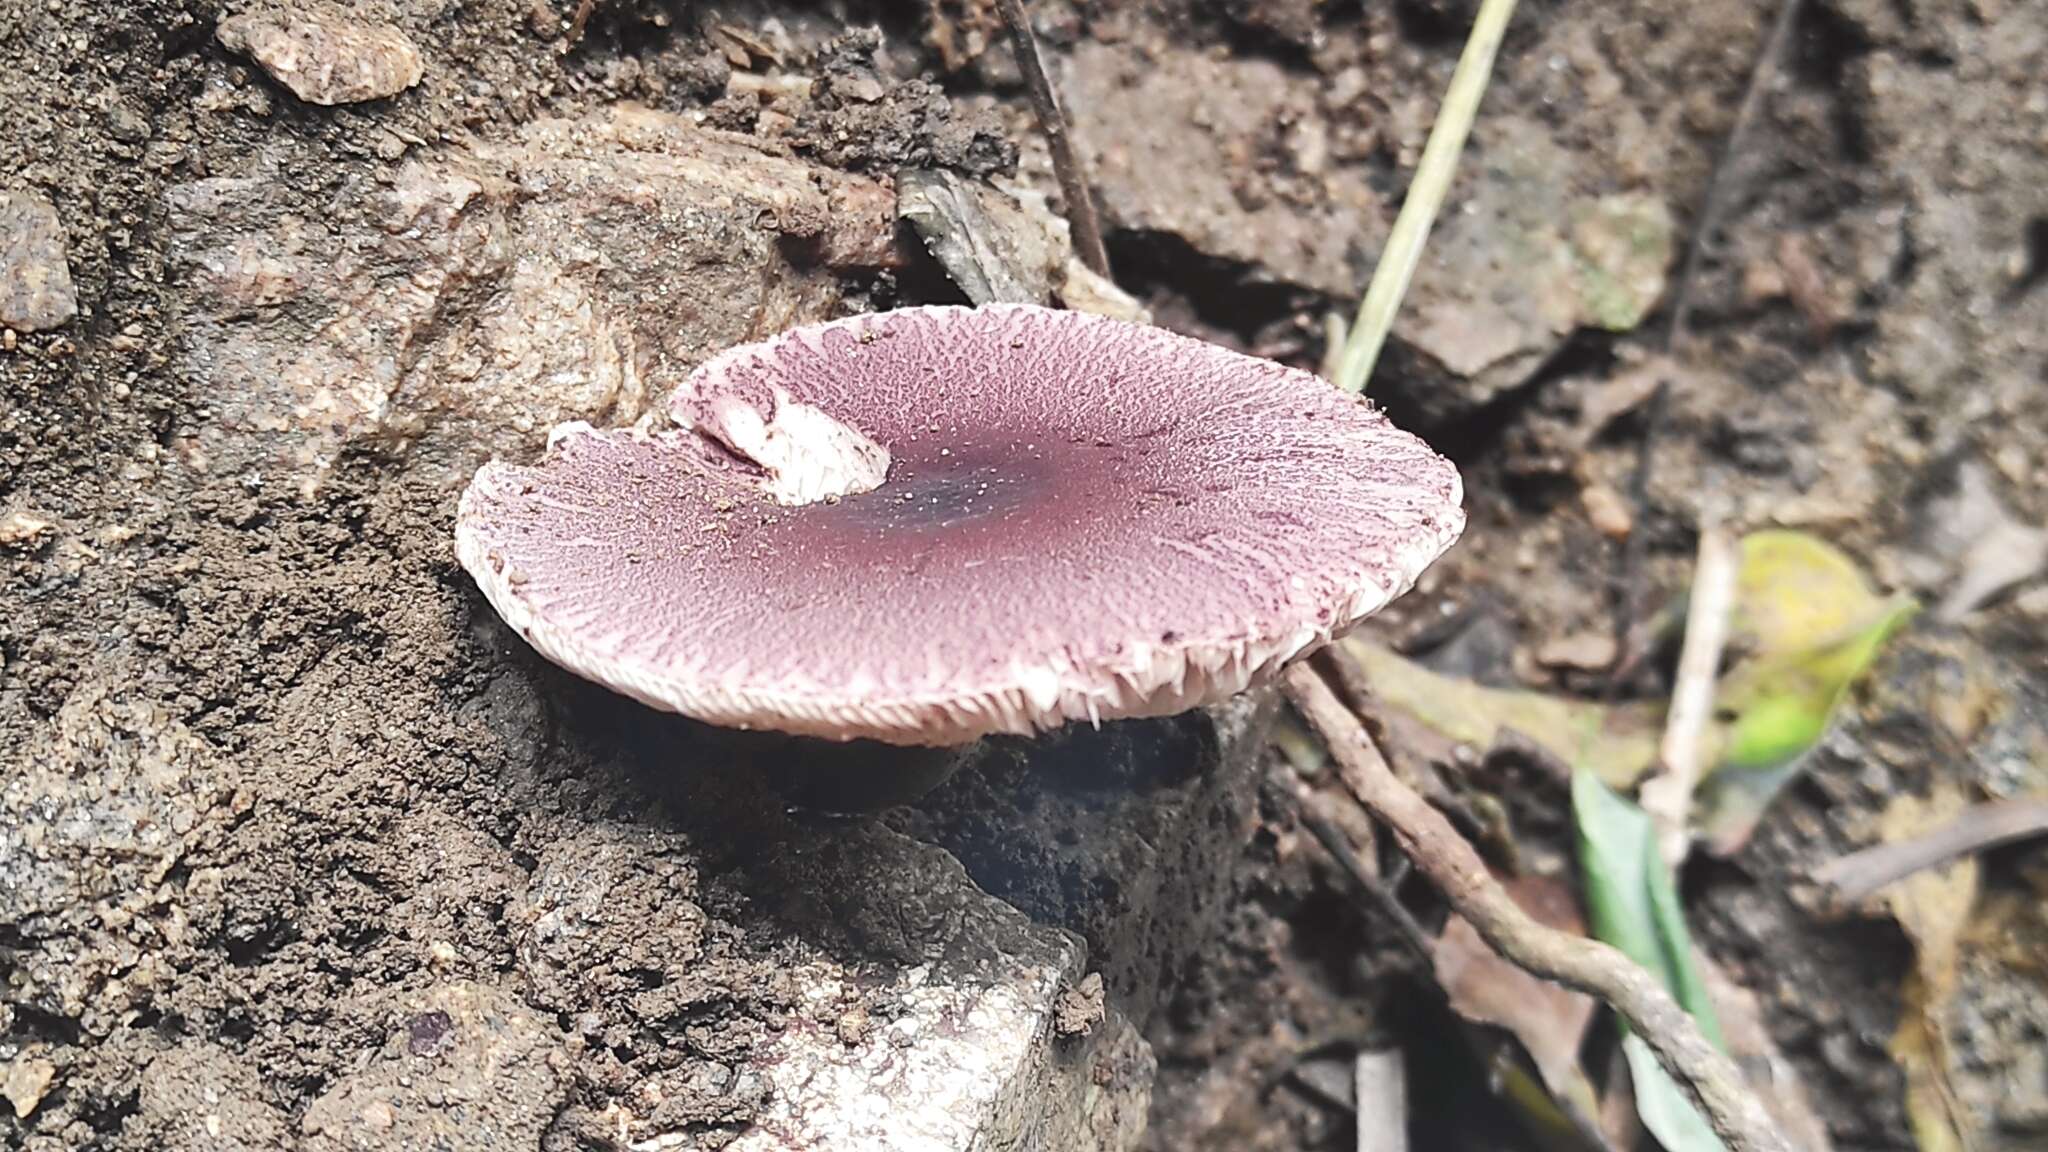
1576,962
1066,166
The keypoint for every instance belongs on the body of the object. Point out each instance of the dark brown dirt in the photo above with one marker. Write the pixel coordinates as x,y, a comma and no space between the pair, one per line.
285,813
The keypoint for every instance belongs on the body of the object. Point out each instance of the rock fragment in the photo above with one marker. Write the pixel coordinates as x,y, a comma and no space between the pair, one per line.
23,530
962,1049
1531,249
1081,1007
1529,259
35,276
325,54
25,1082
914,1010
1169,141
96,884
485,294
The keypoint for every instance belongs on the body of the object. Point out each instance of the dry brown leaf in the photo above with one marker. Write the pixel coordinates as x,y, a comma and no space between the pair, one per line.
1549,1019
1932,907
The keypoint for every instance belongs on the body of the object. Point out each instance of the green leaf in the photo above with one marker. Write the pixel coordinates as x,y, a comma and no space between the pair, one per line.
1633,905
1630,899
1666,1110
1782,701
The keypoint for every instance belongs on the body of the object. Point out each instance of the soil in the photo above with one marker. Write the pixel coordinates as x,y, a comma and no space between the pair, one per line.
281,801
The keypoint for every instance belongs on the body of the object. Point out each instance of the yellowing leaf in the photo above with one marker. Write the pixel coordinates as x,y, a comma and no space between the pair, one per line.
1783,699
1617,743
1796,593
1933,907
1810,625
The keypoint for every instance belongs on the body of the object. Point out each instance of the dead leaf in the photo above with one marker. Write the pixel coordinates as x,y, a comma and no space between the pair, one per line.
1618,743
1932,907
1967,538
2006,552
1549,1019
987,242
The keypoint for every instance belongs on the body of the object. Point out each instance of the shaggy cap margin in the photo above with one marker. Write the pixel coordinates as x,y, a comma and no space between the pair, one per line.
1319,512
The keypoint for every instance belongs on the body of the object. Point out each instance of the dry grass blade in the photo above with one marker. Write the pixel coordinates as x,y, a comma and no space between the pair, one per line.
1426,194
1667,797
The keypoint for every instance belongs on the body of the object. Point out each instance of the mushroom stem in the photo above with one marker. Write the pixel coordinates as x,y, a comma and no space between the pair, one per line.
1066,165
852,777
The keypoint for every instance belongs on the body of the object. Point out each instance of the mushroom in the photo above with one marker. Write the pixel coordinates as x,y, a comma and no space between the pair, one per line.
924,526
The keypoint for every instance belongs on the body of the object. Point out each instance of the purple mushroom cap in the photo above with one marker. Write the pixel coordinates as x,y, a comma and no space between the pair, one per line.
932,524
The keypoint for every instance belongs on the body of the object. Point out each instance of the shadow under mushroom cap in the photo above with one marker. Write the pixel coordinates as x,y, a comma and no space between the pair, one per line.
928,525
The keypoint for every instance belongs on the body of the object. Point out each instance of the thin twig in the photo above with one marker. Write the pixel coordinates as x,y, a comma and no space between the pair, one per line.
1066,166
1667,796
1721,185
1984,826
1352,682
1426,194
1308,805
1378,898
1635,552
1577,962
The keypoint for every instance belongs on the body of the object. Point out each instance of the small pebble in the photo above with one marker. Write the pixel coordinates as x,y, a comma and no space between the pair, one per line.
35,275
1608,512
1586,651
853,1027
